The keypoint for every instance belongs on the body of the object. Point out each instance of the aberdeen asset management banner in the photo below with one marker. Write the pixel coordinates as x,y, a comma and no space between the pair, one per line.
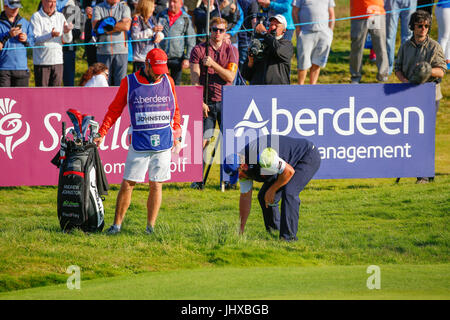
361,131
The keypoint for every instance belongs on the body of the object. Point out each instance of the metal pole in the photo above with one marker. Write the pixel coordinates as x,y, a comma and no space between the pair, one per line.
1,1
207,51
205,87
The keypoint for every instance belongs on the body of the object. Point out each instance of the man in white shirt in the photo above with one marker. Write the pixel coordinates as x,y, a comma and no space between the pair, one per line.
51,30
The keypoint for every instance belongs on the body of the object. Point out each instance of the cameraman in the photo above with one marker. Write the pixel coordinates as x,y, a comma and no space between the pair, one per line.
270,61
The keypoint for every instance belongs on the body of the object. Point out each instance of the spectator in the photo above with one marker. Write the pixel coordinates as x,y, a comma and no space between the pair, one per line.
96,76
285,165
313,40
250,13
418,49
160,6
72,13
373,22
395,10
15,35
428,5
50,29
115,53
143,27
443,18
177,26
132,5
152,141
273,65
226,10
283,7
221,65
90,51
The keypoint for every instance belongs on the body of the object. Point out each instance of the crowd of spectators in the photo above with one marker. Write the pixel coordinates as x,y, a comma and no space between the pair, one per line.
115,32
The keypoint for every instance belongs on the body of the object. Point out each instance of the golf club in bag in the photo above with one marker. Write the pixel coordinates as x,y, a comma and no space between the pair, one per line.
82,180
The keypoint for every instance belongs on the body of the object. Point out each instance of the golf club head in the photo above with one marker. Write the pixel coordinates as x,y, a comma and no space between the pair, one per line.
94,126
85,124
76,118
76,139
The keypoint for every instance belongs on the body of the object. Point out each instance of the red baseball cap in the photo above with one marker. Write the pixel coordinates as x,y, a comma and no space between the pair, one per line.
157,59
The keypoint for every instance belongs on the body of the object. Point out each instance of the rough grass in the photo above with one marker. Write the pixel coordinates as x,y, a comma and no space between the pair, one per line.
347,222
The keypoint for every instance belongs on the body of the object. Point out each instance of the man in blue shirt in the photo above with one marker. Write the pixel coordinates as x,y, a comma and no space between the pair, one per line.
15,35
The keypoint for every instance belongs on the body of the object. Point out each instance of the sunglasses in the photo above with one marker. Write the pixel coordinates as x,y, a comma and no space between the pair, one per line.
219,30
421,26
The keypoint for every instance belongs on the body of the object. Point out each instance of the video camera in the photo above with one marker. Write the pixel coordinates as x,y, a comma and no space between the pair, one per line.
257,46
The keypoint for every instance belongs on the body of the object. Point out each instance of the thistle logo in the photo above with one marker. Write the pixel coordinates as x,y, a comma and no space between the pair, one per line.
8,120
245,123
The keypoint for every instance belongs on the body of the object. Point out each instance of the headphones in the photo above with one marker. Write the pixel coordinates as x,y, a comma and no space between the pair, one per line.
425,16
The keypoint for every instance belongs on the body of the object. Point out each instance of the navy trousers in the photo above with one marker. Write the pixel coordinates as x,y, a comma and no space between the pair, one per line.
287,220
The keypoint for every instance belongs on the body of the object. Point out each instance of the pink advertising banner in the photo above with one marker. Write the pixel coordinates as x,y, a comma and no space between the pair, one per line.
30,133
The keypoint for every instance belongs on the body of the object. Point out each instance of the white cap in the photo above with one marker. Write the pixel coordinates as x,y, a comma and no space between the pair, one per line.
281,19
13,4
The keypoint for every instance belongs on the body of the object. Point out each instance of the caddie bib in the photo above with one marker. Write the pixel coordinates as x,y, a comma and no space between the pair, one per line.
151,108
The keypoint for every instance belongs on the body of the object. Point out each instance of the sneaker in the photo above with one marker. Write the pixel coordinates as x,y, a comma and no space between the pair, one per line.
229,186
382,78
149,230
113,230
422,180
197,185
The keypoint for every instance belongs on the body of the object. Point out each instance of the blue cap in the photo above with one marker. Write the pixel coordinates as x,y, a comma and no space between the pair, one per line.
104,25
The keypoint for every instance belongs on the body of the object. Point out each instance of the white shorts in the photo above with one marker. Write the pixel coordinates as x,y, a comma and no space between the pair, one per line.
313,48
156,163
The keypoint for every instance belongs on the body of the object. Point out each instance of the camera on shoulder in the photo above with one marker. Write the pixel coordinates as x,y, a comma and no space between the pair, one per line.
257,48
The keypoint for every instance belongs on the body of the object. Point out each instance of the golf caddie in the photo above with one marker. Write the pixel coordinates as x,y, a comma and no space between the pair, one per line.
285,165
155,133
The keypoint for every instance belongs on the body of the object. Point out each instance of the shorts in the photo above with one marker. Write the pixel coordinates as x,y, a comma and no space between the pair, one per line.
209,123
157,163
313,48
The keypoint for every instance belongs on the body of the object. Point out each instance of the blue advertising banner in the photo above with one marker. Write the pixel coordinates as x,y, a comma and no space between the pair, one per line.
361,131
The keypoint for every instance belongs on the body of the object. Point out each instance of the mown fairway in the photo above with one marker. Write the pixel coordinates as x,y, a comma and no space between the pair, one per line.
274,283
196,253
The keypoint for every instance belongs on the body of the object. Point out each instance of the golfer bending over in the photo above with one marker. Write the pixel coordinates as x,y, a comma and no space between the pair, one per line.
285,165
155,131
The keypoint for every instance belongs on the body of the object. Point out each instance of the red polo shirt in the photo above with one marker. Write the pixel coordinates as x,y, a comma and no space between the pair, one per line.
173,17
364,7
226,54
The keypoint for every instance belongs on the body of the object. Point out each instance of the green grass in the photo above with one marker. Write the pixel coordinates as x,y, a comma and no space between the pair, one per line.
274,283
344,226
347,222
